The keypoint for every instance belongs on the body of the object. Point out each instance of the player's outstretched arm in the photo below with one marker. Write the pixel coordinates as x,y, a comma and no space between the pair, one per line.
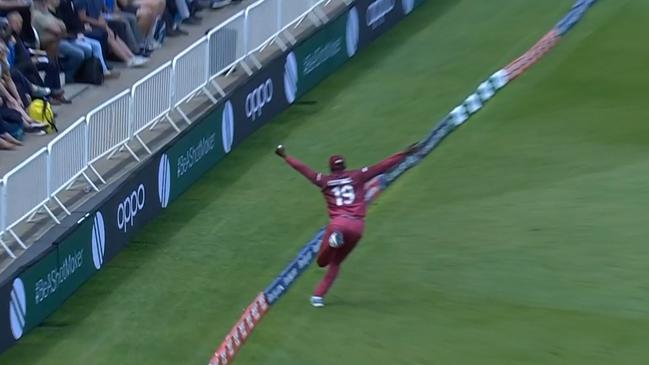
299,166
390,162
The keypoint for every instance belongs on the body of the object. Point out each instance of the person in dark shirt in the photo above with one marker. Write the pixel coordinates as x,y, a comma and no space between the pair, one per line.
66,12
30,66
23,7
91,12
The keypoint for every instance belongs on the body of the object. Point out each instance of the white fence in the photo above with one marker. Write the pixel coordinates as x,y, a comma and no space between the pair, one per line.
68,160
108,129
227,47
151,100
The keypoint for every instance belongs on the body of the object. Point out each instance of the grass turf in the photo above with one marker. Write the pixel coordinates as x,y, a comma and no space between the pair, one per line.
520,240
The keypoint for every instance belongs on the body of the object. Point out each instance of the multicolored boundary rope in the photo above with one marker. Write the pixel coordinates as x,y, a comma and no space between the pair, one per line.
237,336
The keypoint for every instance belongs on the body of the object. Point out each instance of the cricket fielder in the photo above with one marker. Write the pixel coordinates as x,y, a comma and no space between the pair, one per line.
344,192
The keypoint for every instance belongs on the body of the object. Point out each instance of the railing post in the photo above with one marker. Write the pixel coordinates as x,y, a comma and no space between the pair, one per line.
246,33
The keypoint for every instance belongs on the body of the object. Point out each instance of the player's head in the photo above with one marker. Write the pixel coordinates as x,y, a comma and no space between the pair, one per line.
337,163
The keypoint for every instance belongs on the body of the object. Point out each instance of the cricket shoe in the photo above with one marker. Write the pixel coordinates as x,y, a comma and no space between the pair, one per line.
336,240
317,302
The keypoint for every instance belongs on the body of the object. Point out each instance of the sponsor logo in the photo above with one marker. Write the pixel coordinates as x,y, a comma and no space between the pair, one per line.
98,241
322,54
49,284
195,154
128,209
258,98
408,6
227,127
486,90
240,332
352,32
473,103
18,309
377,11
294,270
291,77
164,180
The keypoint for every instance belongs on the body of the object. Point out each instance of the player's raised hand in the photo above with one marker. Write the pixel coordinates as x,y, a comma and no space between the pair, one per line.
280,151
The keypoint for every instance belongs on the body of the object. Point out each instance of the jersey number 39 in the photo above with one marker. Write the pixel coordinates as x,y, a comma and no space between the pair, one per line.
344,195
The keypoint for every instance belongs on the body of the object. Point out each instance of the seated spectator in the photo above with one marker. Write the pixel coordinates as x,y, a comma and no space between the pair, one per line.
21,60
92,13
144,15
172,18
7,141
187,11
12,103
67,12
23,7
55,40
124,24
76,32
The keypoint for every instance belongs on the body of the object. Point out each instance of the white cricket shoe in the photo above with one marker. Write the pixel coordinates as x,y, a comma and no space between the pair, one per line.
317,302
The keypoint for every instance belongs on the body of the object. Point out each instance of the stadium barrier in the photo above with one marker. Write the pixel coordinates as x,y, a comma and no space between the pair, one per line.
266,16
25,192
69,152
151,101
227,48
109,130
112,125
102,227
190,75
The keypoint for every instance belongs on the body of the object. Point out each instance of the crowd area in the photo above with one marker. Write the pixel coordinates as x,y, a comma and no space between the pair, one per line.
47,43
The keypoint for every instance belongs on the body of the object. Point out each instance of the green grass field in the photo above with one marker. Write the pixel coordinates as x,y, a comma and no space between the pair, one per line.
521,240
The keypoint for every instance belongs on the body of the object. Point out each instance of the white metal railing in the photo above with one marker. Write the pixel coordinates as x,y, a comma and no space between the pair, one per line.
265,16
227,48
151,101
26,191
108,129
68,158
294,12
190,75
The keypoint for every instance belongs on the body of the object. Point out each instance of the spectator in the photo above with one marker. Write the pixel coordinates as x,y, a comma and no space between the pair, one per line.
7,141
171,17
91,12
89,45
12,106
55,40
147,14
124,24
186,12
67,12
23,7
29,66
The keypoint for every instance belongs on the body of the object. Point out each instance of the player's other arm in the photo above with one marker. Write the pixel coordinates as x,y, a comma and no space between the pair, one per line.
390,162
299,166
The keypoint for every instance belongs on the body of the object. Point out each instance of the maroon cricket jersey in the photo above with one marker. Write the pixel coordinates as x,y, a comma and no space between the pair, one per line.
344,191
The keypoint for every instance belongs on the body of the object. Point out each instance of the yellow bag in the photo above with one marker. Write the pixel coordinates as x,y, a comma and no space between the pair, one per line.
41,111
